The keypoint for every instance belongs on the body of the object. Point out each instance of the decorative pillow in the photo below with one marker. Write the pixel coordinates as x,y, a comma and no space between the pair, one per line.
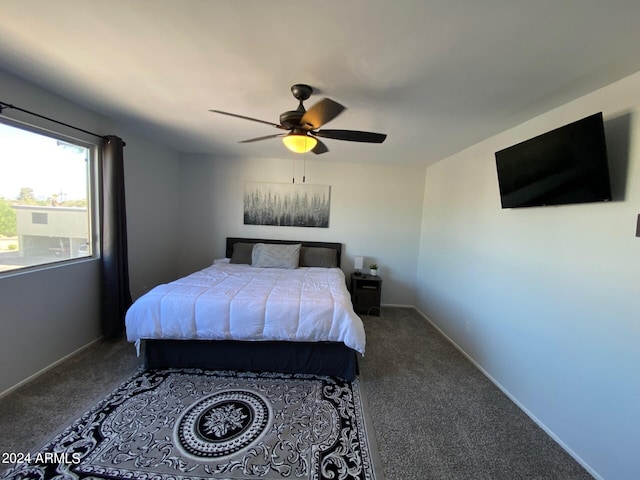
318,257
242,253
269,255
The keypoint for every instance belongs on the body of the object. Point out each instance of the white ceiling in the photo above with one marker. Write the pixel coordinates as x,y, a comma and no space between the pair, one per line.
436,75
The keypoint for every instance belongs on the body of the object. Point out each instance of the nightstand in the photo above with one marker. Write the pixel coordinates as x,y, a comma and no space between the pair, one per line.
365,293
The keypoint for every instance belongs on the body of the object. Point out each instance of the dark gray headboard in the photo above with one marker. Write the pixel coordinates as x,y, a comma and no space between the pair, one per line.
233,240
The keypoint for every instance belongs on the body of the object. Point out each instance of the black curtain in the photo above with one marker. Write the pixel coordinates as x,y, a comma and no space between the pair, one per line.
116,296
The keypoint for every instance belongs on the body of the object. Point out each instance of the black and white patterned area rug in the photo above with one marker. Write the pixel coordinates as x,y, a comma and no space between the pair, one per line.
192,424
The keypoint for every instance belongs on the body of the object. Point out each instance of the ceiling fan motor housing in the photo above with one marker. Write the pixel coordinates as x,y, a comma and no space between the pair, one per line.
291,119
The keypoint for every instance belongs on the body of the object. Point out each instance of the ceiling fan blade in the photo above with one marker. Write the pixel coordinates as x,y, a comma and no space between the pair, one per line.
248,118
320,148
267,137
322,112
352,135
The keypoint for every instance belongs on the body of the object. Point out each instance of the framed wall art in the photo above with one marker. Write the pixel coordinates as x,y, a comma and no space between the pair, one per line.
286,204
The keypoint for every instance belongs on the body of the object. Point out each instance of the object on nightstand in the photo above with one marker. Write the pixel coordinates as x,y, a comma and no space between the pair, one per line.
374,269
357,263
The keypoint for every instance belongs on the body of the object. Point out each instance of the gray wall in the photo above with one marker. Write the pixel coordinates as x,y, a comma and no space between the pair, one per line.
375,212
153,207
546,300
48,314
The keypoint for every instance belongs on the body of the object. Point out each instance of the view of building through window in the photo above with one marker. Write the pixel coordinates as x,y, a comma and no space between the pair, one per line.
44,198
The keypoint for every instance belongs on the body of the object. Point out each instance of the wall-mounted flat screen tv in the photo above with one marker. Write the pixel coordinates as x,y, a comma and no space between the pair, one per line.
566,165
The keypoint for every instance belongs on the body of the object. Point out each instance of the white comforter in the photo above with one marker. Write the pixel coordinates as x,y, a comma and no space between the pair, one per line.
240,302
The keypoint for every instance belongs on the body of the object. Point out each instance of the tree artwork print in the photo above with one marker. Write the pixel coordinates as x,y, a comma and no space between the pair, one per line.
286,204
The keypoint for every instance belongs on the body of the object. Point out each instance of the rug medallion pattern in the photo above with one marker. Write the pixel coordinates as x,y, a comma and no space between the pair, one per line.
191,424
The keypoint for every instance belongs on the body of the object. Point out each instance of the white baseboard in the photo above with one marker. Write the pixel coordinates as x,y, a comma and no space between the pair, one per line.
47,368
537,421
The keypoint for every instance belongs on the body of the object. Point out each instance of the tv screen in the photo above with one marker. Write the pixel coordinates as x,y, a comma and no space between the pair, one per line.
566,165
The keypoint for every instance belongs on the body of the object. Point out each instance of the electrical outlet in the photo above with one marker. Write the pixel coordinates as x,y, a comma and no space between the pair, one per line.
467,326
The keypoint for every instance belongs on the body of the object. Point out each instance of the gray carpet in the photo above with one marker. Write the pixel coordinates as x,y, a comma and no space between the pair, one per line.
31,415
435,415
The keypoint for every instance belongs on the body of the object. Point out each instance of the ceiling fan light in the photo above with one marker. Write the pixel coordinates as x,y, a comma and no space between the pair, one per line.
299,143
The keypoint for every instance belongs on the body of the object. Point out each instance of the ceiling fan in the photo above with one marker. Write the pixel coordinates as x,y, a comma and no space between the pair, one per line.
302,125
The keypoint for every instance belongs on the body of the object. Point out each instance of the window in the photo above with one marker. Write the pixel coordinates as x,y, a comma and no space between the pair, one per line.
45,197
39,217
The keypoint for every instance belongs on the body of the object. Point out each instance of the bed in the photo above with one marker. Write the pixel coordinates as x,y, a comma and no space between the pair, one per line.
269,305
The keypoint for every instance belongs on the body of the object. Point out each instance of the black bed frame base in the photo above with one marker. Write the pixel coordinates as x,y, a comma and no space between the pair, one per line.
323,358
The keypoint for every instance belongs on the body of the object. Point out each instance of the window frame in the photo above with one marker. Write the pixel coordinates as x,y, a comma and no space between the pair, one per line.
93,182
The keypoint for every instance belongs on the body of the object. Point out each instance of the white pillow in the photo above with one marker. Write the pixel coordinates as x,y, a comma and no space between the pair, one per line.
269,255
